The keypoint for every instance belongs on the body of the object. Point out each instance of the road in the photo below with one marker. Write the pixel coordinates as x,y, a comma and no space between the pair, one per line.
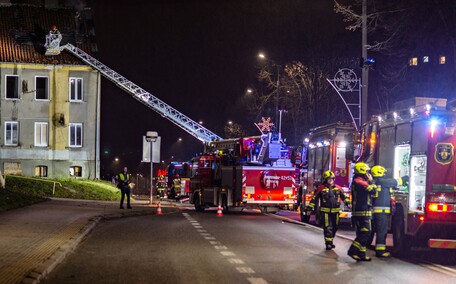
184,246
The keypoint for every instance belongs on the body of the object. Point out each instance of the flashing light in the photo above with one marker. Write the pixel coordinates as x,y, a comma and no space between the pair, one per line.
326,143
373,138
434,123
379,118
395,115
306,140
437,207
421,218
319,144
428,109
343,144
412,111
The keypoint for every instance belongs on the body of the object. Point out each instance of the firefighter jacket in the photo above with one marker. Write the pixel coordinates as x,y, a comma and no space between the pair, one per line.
381,201
330,197
362,192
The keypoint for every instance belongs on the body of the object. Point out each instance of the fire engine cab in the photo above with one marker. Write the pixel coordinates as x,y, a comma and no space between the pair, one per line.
325,149
243,173
417,145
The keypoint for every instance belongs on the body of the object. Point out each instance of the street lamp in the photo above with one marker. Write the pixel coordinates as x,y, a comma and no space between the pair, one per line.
151,136
262,56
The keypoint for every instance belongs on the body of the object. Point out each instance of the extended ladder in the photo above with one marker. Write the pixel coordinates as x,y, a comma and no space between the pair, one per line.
165,110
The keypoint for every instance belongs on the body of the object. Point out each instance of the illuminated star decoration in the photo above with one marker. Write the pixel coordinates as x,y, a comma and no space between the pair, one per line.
264,125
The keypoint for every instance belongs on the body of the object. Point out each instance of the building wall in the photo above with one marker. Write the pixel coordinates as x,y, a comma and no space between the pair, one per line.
58,156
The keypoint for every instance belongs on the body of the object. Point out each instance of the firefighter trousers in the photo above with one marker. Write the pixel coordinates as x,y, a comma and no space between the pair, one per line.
380,228
363,231
330,223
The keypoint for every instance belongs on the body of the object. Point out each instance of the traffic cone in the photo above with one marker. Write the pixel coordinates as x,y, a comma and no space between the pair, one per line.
159,209
219,211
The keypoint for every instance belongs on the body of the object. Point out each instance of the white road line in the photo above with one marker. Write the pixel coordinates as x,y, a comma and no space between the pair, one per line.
227,253
255,280
215,242
235,261
245,270
220,247
209,238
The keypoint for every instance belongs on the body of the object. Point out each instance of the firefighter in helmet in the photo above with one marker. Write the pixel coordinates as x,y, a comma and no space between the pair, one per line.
362,190
329,194
176,189
381,208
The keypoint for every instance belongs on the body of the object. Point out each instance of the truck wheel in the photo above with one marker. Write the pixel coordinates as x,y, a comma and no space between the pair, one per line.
400,243
198,206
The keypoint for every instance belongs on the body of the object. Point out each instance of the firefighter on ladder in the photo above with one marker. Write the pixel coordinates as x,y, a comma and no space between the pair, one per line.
381,205
329,195
362,190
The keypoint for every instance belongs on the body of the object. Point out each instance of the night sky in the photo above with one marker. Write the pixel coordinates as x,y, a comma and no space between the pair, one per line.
197,56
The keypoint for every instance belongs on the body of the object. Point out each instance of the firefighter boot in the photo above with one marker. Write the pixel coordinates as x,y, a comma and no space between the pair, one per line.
382,254
329,246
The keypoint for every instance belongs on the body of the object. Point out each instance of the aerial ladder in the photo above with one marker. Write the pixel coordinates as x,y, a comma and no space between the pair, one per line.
192,127
270,146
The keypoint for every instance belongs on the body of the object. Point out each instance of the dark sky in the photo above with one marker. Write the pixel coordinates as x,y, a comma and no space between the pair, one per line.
197,56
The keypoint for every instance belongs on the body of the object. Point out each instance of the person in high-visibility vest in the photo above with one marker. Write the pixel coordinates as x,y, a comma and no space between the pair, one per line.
362,190
124,186
329,194
381,209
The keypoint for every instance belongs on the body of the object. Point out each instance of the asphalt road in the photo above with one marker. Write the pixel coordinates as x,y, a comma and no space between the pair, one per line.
184,246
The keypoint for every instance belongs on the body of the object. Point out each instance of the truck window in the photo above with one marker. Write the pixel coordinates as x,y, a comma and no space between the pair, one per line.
402,163
420,136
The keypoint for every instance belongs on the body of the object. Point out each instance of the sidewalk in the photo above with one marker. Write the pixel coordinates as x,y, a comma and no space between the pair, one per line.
34,239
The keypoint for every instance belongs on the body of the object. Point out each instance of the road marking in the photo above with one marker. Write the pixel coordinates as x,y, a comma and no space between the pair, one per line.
235,261
245,270
220,247
223,251
255,280
227,253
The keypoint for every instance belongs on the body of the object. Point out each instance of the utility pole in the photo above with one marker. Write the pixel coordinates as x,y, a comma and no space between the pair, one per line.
365,70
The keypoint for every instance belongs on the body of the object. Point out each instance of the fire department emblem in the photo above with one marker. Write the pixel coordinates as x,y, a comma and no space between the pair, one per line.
444,153
270,179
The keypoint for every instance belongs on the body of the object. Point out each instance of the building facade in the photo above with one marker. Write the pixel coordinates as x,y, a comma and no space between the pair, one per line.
49,105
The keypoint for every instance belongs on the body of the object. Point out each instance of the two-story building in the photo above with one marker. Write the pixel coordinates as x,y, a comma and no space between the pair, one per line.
49,105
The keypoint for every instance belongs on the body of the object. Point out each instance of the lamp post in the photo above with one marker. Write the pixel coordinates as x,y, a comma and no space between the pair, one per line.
277,114
151,136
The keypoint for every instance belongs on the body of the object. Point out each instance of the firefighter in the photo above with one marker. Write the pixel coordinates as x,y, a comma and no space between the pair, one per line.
329,194
176,186
381,205
362,190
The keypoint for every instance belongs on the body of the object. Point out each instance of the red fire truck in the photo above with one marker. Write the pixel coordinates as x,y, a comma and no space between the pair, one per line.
243,173
326,148
417,145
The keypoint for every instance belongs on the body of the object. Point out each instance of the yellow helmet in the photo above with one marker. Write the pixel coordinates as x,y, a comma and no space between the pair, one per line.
361,168
328,174
378,171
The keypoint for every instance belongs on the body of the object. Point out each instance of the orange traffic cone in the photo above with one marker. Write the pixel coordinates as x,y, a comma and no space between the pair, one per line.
219,211
159,209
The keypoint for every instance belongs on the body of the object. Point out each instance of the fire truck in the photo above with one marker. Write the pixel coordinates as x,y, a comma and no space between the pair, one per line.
326,148
417,145
238,173
233,174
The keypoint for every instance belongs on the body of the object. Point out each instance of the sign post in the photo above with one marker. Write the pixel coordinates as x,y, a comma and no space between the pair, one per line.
151,137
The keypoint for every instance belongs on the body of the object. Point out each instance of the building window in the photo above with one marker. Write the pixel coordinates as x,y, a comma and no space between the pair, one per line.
11,133
41,88
41,171
75,171
76,90
75,134
442,60
41,134
12,87
425,59
413,61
